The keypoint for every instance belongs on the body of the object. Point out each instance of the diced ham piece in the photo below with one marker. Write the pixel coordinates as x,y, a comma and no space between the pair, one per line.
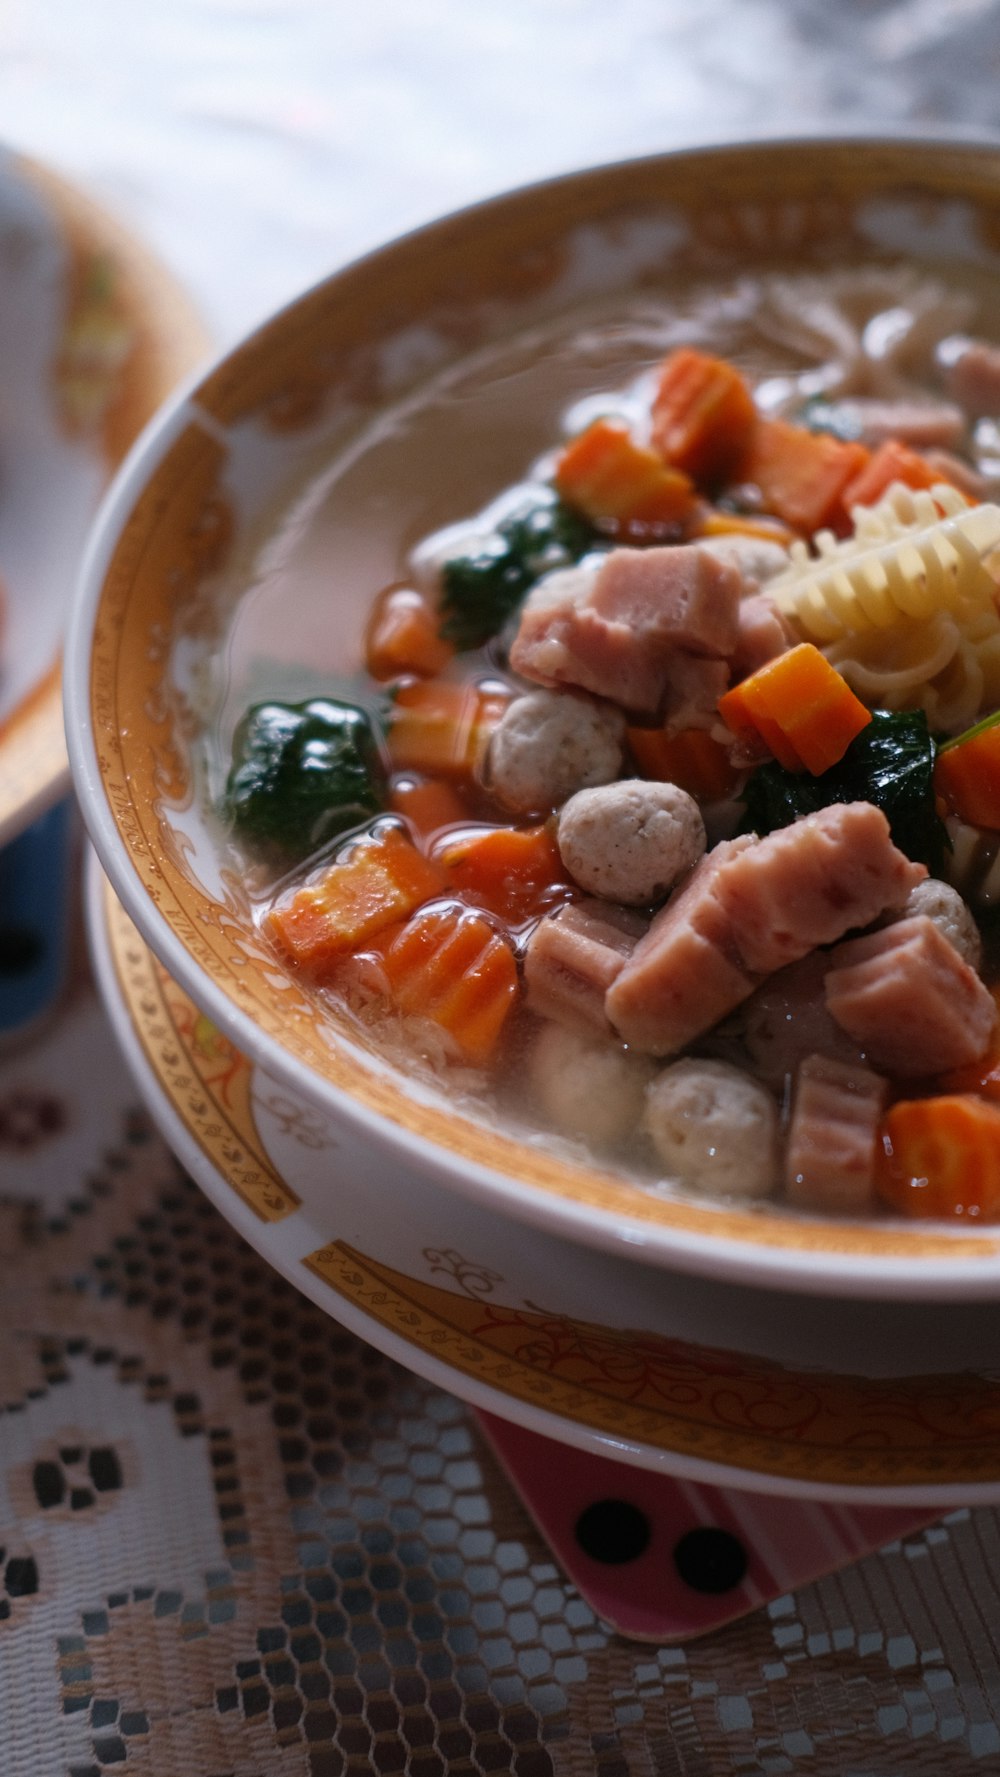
972,376
924,425
811,882
676,596
572,957
911,1002
833,1136
623,630
763,635
750,907
683,976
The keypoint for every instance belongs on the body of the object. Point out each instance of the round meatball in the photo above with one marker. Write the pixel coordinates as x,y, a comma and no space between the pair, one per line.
548,744
588,1085
630,841
944,905
714,1128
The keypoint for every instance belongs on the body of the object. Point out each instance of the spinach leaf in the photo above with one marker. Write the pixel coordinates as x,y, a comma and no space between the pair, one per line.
838,418
481,590
301,774
890,763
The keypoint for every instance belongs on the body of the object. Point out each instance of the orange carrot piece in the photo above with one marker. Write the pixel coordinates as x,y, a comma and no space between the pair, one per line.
703,414
381,879
622,486
691,759
514,872
801,475
892,461
967,775
442,726
941,1157
714,523
801,708
427,804
452,966
402,636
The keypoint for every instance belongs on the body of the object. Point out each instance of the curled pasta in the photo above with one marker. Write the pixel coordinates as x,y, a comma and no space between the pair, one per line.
948,668
912,555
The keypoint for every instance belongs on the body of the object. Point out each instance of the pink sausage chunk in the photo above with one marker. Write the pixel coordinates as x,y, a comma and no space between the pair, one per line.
833,1136
638,631
749,908
573,956
909,1000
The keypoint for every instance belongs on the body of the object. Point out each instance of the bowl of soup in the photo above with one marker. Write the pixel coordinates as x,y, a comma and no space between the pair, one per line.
536,696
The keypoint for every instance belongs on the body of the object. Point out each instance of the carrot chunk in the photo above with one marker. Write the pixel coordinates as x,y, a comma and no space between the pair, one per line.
402,636
941,1157
802,475
800,707
514,872
427,804
451,965
703,414
967,775
892,461
691,759
622,486
380,880
442,726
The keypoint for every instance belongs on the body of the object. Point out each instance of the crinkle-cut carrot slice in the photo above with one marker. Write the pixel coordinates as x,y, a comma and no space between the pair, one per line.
801,475
692,759
514,872
442,727
451,965
381,879
402,636
427,804
800,706
621,485
941,1157
703,414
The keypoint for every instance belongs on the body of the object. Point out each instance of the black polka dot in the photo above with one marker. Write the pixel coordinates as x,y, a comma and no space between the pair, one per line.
613,1531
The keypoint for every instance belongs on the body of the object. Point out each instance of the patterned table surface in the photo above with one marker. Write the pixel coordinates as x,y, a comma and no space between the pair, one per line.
233,1541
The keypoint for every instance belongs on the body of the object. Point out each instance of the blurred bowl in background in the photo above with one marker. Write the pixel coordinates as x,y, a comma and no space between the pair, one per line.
94,334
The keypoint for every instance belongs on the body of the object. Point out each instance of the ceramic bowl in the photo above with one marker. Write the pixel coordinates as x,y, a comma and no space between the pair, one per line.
93,335
188,537
714,1382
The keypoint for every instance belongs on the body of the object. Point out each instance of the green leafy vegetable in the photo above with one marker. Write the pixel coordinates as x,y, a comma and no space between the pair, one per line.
481,590
890,763
302,773
838,418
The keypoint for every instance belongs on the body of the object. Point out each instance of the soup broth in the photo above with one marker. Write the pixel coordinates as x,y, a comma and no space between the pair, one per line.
573,792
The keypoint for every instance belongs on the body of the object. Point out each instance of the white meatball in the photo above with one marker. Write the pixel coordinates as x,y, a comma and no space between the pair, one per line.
587,1085
944,905
548,744
715,1128
630,841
